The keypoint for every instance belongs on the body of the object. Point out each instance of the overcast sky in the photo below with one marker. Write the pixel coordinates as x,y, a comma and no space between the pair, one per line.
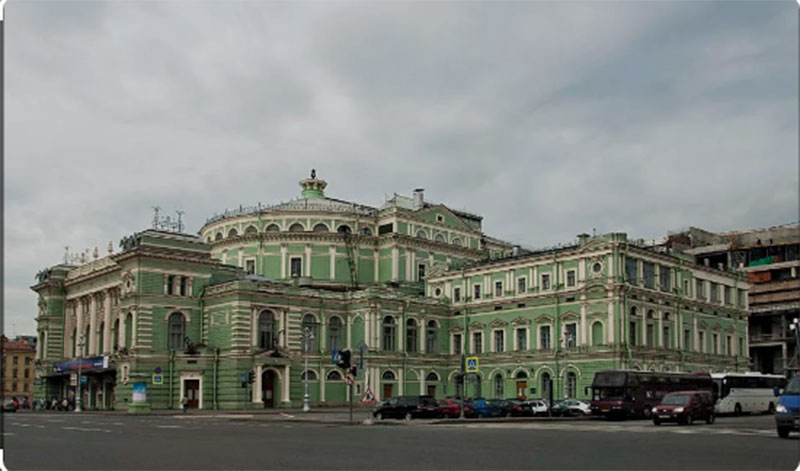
547,119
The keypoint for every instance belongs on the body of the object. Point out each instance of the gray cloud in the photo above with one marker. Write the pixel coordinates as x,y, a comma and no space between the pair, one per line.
549,119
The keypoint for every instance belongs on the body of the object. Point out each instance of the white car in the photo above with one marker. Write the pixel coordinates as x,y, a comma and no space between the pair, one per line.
538,407
576,407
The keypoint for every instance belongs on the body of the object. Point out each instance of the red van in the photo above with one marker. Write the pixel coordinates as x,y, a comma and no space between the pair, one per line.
685,407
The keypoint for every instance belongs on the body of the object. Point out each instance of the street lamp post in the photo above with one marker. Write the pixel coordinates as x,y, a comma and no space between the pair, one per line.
795,327
78,386
308,337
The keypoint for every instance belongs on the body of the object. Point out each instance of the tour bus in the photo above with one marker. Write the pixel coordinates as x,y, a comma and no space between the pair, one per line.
629,393
745,392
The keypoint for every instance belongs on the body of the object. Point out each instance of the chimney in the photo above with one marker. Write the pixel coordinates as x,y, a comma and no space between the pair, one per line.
419,198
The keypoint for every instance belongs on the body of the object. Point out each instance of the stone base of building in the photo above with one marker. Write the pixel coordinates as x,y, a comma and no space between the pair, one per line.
138,408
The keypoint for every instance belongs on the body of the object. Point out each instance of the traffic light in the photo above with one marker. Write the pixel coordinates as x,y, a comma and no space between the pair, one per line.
251,377
344,359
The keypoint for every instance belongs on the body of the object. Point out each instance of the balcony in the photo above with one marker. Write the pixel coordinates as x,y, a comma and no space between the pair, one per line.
756,339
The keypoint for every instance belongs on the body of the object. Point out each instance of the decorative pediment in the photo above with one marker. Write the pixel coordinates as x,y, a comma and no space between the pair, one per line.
544,319
730,329
595,286
477,326
570,316
521,321
456,329
716,328
498,323
702,324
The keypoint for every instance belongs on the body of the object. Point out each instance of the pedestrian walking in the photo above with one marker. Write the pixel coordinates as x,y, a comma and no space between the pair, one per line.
184,403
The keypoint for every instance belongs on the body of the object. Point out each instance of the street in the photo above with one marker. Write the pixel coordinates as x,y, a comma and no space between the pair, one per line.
280,441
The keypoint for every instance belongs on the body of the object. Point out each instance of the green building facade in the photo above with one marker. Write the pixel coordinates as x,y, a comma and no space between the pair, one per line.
411,284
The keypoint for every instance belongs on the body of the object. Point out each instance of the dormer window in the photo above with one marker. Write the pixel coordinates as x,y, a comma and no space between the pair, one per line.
439,218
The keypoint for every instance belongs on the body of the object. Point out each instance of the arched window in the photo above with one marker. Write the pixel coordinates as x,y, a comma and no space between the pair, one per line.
432,338
334,375
521,375
388,375
266,330
572,384
218,236
597,333
208,239
115,336
273,228
320,228
650,314
334,333
296,227
128,330
233,233
310,374
411,336
439,238
498,386
432,377
310,333
634,311
251,230
101,336
546,385
344,229
666,316
456,241
177,331
366,231
388,333
421,234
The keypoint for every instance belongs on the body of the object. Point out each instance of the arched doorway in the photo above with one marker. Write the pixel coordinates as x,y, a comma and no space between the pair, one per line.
522,384
546,386
268,387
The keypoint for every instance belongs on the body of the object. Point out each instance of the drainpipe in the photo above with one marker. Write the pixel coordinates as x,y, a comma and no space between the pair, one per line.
216,368
171,371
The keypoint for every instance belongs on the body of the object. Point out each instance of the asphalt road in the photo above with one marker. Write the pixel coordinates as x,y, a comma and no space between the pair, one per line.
71,441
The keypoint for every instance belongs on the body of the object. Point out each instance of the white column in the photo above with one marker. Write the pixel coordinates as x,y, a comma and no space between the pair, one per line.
283,261
349,321
307,265
92,325
401,373
368,329
256,396
123,331
410,258
696,335
107,330
332,254
644,327
422,335
376,262
611,323
660,335
422,382
286,380
583,325
395,264
322,384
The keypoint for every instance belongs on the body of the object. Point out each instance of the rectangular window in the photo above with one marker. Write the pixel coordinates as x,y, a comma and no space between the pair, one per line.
16,360
741,294
686,287
296,264
699,291
665,341
648,273
701,339
727,290
170,284
25,387
498,288
728,344
457,295
544,336
570,277
664,279
27,361
250,267
521,287
650,334
385,229
687,339
571,335
421,272
632,332
457,344
632,270
14,387
545,282
522,339
499,341
741,347
28,372
182,286
477,292
477,342
715,343
714,293
14,373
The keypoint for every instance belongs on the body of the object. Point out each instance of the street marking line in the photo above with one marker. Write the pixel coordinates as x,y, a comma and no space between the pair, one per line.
168,426
83,429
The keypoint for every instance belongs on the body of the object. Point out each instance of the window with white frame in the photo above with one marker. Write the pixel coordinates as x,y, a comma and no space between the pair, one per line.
571,335
457,344
421,272
498,288
457,294
296,264
522,339
545,281
499,341
699,292
715,343
250,267
701,339
477,342
521,285
570,278
477,292
544,337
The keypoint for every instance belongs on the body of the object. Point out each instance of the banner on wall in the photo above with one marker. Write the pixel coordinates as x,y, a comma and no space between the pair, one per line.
140,391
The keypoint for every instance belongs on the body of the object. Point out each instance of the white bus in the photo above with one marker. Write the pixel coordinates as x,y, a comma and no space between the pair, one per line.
745,392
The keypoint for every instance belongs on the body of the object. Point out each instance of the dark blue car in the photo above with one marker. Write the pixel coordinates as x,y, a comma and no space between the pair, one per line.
787,412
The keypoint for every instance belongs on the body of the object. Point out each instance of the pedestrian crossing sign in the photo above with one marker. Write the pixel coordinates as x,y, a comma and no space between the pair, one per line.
158,379
472,365
368,397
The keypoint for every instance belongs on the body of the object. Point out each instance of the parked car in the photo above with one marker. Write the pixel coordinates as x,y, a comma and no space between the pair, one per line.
558,409
537,407
520,408
482,408
406,407
451,408
685,407
577,408
787,412
10,405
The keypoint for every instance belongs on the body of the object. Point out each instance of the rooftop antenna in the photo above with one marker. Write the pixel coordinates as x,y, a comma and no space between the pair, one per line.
180,224
155,216
594,232
66,255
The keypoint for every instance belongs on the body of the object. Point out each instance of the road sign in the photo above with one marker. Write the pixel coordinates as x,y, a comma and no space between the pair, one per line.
158,379
368,397
157,370
348,379
335,357
472,365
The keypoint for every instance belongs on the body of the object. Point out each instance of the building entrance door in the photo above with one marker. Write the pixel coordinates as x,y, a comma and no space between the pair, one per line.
521,387
191,389
432,390
268,389
387,391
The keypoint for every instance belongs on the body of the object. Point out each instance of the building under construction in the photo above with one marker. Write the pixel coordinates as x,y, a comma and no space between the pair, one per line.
771,259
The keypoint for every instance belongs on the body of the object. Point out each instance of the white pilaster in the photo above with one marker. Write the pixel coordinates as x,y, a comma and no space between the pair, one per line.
583,335
283,261
107,340
395,264
307,264
286,380
92,325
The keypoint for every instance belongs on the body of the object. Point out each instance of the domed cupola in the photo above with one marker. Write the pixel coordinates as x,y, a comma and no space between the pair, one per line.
313,188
